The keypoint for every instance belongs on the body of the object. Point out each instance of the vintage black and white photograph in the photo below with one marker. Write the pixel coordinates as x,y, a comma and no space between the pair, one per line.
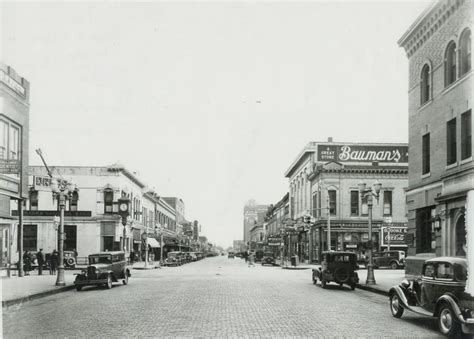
236,169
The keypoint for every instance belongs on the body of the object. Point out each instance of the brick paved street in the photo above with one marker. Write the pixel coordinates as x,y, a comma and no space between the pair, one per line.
215,297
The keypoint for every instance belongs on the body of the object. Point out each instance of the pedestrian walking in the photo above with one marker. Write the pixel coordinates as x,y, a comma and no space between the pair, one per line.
251,259
27,262
132,257
53,262
40,261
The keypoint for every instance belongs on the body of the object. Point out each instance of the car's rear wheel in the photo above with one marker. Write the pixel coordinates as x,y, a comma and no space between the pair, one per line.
323,283
447,322
393,265
353,286
395,307
78,288
108,284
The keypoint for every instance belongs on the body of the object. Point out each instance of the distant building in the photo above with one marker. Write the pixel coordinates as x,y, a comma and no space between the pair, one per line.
253,214
275,227
441,169
239,245
14,145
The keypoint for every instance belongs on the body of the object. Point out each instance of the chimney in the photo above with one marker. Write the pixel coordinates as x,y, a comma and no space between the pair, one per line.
330,139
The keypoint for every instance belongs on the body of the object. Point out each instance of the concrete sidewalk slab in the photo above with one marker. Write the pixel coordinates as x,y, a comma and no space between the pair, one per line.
20,289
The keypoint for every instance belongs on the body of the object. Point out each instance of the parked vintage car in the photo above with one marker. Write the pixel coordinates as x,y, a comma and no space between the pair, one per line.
392,259
69,260
174,258
268,259
231,255
104,268
339,267
439,293
193,256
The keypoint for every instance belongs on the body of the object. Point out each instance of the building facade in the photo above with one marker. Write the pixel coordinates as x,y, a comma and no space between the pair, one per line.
253,214
441,171
333,171
92,222
277,240
14,144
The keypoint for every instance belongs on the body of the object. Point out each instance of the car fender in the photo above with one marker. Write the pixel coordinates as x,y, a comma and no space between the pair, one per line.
401,295
452,301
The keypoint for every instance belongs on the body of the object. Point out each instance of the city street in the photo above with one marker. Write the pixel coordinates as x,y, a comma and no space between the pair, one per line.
215,297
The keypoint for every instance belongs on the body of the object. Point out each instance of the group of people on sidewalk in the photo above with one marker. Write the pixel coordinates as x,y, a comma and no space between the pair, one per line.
52,262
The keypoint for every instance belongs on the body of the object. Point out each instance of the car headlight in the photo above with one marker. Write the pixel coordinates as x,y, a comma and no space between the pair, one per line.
83,272
97,271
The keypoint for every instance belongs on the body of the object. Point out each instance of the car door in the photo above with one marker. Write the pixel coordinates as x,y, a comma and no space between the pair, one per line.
428,286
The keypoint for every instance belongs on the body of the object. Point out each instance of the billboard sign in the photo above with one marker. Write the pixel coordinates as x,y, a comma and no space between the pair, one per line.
397,236
362,153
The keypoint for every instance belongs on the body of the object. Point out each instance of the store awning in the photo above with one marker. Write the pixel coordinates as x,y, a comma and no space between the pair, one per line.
153,243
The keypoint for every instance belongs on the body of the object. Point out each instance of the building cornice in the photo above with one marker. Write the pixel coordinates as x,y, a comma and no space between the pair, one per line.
428,23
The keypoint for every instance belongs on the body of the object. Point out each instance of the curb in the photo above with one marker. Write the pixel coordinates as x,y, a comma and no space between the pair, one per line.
7,303
372,289
147,268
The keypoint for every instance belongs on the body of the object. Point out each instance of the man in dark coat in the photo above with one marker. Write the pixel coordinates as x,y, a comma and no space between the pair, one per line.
40,261
53,262
27,262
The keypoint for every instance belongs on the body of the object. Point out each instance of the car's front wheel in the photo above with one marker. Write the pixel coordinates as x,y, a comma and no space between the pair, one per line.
395,307
323,283
108,284
78,288
393,265
125,279
353,286
446,321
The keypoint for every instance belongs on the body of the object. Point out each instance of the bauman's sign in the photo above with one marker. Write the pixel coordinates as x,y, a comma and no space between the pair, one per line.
363,153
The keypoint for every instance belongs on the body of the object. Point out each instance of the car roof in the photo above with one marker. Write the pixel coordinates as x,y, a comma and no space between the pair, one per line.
111,252
454,260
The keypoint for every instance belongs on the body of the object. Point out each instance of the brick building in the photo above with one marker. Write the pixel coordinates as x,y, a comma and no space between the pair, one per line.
14,143
253,214
441,171
332,172
275,239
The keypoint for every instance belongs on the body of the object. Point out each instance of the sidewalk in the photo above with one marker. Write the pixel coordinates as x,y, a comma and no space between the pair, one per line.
15,290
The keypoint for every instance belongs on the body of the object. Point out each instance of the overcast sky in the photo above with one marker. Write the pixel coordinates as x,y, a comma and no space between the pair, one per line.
211,101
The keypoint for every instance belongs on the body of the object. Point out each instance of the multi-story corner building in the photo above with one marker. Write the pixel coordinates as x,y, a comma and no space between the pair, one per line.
253,214
441,170
14,142
92,222
275,239
333,171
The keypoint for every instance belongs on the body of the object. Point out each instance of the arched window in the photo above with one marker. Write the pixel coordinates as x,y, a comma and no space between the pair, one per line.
450,64
465,52
425,86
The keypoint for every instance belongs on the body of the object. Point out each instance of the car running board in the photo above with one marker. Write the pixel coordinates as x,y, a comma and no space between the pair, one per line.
419,310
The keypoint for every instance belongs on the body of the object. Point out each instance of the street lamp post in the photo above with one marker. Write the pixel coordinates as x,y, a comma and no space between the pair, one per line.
367,193
62,190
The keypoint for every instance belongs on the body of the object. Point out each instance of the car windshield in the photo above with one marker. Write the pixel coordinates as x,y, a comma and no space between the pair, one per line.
102,259
342,258
172,255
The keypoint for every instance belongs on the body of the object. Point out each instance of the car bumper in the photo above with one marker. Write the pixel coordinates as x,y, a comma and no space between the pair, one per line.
90,282
468,326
